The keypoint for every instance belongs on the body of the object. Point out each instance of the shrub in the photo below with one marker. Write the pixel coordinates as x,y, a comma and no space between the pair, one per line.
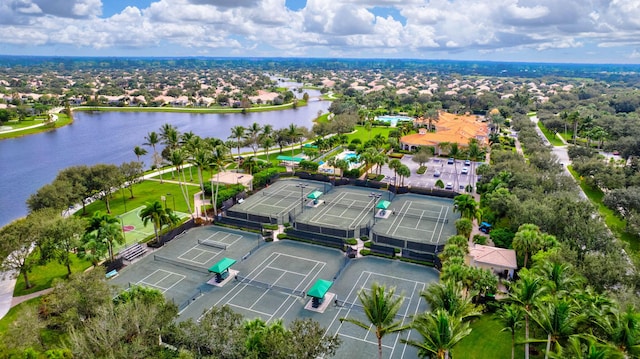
351,241
354,173
282,236
309,165
479,239
356,141
224,192
396,155
367,244
352,146
421,170
396,250
502,237
262,178
365,252
272,227
287,224
364,238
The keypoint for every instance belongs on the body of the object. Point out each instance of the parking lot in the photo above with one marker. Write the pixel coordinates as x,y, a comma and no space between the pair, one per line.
454,174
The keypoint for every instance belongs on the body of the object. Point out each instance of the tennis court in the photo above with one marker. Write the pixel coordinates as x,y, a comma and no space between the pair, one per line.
133,228
276,201
180,268
419,220
345,208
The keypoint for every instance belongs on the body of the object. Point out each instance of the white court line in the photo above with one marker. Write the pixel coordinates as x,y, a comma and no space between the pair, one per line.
349,310
196,248
249,309
364,340
441,226
398,218
415,313
170,274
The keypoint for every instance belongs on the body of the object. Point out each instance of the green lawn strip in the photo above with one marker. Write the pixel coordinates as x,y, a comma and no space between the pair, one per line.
364,135
323,118
553,139
63,120
190,174
41,277
531,114
486,341
616,224
147,191
257,108
15,313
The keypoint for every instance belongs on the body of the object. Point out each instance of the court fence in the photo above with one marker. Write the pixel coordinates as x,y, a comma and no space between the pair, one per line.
173,233
242,223
408,244
316,238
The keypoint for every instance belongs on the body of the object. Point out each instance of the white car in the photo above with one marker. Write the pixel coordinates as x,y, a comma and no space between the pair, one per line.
449,186
465,170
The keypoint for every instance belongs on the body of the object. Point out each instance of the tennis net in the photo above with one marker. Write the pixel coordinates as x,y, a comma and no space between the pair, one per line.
292,195
423,217
180,264
267,286
214,244
351,205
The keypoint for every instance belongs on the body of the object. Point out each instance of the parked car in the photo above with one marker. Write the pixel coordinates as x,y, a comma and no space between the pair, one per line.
436,173
465,170
467,163
449,186
450,161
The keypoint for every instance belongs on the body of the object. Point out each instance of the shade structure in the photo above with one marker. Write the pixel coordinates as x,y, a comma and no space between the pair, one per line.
320,288
223,265
383,204
314,195
289,158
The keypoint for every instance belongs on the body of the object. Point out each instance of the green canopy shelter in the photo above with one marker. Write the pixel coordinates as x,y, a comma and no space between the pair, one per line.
289,158
318,291
383,204
314,196
221,269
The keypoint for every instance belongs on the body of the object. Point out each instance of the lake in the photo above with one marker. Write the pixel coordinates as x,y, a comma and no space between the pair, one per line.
29,162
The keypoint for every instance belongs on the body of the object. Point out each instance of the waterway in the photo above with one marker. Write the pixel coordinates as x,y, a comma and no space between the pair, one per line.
29,162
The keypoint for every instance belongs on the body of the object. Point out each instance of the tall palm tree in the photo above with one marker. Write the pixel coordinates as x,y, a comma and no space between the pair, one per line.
450,297
559,278
177,158
526,292
510,316
622,329
404,172
267,142
586,347
253,136
467,206
440,331
170,136
559,318
527,240
201,158
159,216
139,152
220,156
294,134
238,132
395,164
152,139
380,307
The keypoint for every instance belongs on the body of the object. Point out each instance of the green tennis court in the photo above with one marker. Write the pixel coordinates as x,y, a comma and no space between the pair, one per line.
134,230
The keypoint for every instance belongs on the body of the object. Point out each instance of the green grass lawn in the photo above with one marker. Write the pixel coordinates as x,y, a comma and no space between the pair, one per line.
63,120
364,136
15,312
190,174
553,139
41,277
486,341
147,191
323,118
613,221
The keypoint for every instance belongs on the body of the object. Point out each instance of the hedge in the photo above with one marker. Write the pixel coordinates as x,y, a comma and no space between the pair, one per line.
421,170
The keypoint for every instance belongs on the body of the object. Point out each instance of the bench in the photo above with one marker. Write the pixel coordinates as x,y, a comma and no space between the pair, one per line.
133,251
112,274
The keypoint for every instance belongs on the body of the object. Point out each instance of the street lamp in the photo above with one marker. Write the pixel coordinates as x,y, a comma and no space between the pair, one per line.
164,200
302,187
174,201
375,197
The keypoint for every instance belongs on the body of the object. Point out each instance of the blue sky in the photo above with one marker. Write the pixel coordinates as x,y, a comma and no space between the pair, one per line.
591,31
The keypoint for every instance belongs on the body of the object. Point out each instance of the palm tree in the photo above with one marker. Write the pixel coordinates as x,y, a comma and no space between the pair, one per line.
511,318
159,216
526,293
527,240
368,157
450,297
106,229
152,140
237,132
253,136
559,278
139,152
267,142
170,136
432,115
464,227
443,146
586,347
558,318
404,172
395,164
177,159
467,206
440,331
380,307
622,329
220,157
202,159
293,134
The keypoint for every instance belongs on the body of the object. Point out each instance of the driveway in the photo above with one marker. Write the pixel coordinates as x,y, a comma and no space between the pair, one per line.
448,173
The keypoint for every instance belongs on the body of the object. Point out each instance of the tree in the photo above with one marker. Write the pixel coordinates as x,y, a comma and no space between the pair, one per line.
526,293
622,329
238,133
220,157
253,136
404,172
293,134
558,318
586,347
422,156
59,194
510,316
131,173
440,331
451,297
16,243
105,228
104,178
527,240
201,158
62,237
139,152
395,164
152,139
380,307
153,212
267,142
464,226
467,206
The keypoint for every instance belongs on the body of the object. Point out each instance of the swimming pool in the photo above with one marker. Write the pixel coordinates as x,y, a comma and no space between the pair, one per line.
393,119
348,155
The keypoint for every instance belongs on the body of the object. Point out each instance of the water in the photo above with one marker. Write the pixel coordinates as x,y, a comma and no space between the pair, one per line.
393,119
29,162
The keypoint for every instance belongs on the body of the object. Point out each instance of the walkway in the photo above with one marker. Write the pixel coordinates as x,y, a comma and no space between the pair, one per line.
54,117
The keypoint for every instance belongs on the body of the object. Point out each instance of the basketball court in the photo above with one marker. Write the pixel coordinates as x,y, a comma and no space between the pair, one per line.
134,229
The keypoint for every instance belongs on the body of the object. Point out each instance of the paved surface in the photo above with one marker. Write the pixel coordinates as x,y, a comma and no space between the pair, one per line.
437,168
6,294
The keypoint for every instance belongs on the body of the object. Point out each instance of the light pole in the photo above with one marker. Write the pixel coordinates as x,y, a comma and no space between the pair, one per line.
375,197
124,200
302,187
174,201
164,200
